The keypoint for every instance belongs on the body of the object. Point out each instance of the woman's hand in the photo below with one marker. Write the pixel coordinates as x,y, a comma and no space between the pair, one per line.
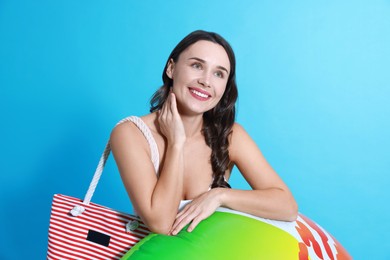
170,122
198,209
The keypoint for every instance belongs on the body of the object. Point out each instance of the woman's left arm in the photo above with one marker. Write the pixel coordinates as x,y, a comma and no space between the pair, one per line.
270,197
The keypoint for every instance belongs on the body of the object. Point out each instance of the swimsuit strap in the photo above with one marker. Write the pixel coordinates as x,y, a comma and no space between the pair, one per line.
77,210
155,157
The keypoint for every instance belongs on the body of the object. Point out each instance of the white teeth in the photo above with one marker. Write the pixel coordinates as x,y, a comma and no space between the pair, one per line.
199,94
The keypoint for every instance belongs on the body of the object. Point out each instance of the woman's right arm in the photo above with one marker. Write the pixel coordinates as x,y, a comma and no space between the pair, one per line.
155,200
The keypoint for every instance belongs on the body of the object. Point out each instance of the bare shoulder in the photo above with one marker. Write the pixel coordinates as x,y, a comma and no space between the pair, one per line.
127,134
238,129
123,131
240,141
238,133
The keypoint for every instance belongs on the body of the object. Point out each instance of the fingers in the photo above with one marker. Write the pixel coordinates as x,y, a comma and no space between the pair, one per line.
197,210
189,217
194,223
170,122
169,108
173,104
163,110
176,227
165,113
185,222
184,211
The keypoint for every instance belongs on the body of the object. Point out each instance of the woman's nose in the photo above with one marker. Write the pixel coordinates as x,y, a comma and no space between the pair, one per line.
204,79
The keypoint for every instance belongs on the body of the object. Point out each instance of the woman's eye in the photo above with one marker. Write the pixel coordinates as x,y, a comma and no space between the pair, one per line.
197,65
219,74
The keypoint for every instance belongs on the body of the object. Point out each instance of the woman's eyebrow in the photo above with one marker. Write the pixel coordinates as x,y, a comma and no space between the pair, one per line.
203,61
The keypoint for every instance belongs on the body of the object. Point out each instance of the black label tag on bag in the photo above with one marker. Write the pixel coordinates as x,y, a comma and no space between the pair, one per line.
98,238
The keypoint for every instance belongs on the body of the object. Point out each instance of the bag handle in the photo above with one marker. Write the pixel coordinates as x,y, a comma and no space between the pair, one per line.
79,209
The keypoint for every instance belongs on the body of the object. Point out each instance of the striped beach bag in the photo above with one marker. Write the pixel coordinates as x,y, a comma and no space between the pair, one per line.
80,229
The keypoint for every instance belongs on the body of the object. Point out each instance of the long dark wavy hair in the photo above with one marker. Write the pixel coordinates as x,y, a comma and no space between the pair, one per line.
217,122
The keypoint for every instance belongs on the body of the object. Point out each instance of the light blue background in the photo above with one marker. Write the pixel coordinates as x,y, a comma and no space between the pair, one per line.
314,93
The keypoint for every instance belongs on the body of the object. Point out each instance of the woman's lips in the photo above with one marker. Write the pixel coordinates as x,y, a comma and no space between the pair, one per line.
199,94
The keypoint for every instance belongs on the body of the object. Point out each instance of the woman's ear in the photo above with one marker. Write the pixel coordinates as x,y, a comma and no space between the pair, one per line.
170,68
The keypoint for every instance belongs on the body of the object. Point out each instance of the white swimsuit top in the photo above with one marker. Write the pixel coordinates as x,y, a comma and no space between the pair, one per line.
183,203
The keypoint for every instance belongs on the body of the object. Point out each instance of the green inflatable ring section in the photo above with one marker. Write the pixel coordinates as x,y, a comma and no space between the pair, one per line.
223,235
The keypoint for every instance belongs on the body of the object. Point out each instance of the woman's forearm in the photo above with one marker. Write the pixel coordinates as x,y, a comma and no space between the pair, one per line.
167,193
272,203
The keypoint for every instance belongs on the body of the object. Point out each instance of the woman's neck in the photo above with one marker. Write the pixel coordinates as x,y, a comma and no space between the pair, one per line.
192,125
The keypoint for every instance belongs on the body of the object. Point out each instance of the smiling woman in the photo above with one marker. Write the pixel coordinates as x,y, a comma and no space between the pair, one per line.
201,71
192,122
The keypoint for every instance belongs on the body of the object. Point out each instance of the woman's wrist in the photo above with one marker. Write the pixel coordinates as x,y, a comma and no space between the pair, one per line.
220,195
176,145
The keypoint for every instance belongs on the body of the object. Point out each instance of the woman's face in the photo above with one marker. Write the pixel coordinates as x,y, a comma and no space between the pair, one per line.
199,77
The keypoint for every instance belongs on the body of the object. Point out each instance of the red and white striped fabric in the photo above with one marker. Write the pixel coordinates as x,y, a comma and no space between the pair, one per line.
80,229
98,233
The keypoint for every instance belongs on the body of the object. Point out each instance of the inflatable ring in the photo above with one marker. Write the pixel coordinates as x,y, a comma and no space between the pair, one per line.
229,234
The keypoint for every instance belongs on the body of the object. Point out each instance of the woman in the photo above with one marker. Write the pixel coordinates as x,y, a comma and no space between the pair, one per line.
192,121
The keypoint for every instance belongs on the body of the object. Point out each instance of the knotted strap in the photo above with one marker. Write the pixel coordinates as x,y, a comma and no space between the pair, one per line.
77,210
